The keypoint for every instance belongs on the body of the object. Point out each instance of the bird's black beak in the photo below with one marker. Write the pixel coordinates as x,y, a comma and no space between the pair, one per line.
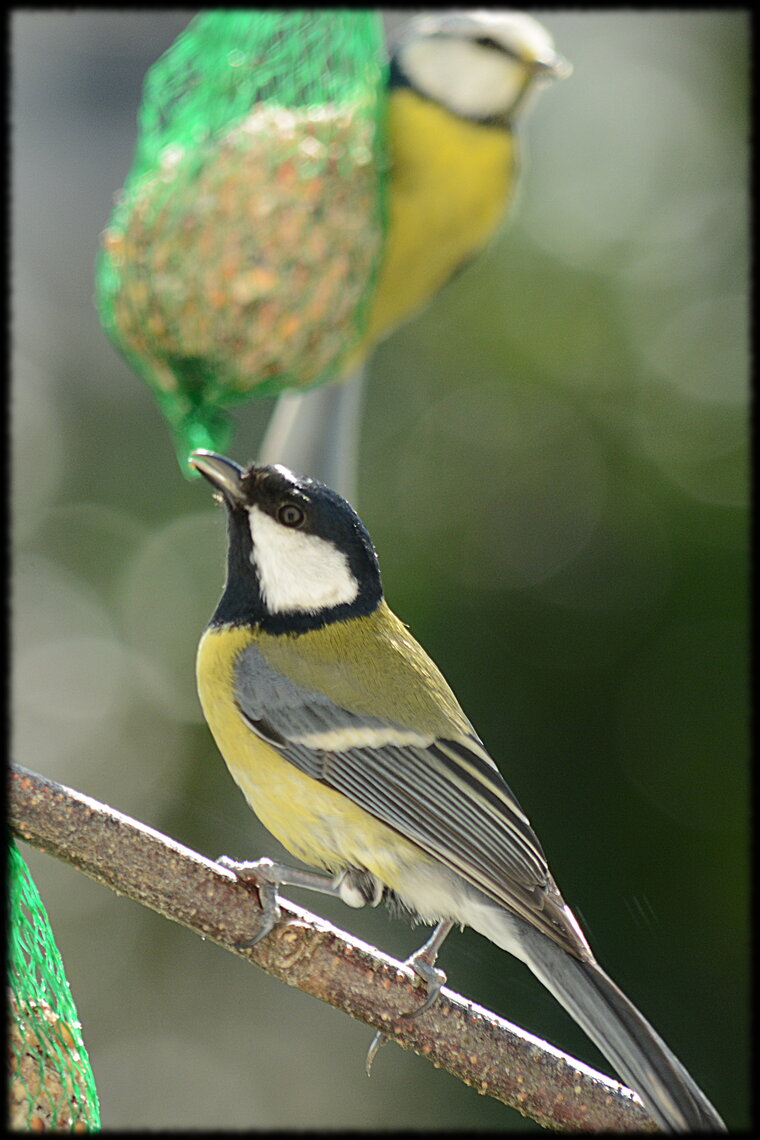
221,473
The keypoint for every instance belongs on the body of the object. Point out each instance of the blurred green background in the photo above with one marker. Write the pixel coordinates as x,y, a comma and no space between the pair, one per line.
555,472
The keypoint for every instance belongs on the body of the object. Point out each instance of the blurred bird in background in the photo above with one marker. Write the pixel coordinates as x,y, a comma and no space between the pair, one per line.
459,83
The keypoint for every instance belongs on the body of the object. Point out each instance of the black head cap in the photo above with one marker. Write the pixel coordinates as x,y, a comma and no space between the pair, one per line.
298,554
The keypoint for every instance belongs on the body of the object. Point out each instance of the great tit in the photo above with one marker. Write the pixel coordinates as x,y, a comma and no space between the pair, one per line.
353,751
459,82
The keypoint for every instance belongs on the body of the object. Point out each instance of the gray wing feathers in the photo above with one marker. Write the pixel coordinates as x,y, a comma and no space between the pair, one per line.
450,801
477,827
264,694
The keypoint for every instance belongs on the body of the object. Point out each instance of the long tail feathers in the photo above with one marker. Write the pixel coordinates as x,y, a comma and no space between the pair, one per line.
638,1054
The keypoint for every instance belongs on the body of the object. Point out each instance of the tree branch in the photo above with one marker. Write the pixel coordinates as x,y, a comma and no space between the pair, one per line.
481,1049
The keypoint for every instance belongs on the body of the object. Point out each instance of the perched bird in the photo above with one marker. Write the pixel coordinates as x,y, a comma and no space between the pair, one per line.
459,82
352,749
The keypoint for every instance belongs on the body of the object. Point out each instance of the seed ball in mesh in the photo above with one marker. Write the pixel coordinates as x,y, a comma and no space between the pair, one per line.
251,259
45,1090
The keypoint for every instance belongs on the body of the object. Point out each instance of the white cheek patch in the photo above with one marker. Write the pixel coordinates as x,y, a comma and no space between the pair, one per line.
462,76
298,571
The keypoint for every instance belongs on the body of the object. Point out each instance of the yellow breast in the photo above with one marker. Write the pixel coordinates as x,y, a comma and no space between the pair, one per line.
314,822
449,186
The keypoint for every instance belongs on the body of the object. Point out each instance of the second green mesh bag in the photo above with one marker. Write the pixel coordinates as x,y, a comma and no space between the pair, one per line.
242,251
50,1081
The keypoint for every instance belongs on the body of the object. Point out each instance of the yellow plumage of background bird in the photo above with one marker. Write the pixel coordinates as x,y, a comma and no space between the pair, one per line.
459,83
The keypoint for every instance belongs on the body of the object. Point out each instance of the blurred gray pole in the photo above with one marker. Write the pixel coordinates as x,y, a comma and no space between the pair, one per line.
317,433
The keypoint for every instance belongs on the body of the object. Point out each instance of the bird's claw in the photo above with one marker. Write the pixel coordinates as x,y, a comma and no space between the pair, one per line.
434,980
258,872
377,1041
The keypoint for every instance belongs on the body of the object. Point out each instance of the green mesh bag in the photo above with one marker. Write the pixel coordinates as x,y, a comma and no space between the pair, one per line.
50,1080
242,251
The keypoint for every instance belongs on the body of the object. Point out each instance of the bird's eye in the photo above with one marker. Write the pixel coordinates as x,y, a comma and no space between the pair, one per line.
490,44
487,42
290,514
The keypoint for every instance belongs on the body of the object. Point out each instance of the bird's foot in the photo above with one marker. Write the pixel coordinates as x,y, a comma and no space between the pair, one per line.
267,878
423,964
353,886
